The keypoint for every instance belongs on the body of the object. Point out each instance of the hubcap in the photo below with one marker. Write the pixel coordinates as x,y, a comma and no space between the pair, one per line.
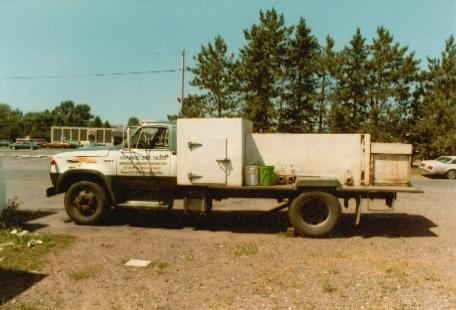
85,201
452,174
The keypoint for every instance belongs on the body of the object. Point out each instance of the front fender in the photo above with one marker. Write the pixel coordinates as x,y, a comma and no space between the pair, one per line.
72,176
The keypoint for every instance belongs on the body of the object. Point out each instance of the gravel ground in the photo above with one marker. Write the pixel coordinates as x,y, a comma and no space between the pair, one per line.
239,257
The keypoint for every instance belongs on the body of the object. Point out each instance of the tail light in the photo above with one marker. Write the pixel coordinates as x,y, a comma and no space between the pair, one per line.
53,162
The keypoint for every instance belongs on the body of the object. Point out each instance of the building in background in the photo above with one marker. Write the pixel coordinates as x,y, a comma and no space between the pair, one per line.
85,135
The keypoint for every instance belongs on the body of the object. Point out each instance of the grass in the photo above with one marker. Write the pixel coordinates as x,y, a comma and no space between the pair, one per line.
18,256
85,273
245,249
22,306
15,255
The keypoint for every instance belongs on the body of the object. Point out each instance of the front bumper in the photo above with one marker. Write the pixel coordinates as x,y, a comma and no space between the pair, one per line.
51,191
427,172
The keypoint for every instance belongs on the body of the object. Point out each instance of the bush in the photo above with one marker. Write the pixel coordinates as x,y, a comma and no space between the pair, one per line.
10,216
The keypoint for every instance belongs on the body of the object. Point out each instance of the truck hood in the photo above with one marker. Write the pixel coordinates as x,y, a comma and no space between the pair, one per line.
87,151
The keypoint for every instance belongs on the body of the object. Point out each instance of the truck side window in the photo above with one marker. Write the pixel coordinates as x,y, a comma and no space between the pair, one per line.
162,138
150,138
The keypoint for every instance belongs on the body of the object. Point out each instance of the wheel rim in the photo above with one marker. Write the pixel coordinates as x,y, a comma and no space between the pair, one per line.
314,211
85,201
452,174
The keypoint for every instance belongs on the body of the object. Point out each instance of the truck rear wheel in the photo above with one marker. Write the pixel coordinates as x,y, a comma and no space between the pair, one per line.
85,202
314,213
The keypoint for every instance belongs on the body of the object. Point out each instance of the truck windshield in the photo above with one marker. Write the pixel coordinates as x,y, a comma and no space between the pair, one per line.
150,137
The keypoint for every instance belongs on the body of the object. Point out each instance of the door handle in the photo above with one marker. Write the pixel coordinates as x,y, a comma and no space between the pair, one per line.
224,161
192,176
192,145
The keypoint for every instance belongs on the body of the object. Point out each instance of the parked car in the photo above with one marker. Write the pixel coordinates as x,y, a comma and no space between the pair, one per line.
5,143
74,144
444,165
25,145
40,142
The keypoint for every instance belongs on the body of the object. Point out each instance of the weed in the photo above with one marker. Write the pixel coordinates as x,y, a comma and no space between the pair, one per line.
246,249
326,285
159,266
10,216
431,275
282,234
86,273
398,271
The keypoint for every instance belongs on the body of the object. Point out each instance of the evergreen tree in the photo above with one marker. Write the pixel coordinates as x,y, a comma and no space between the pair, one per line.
298,110
133,121
391,76
96,122
434,134
213,74
10,126
352,85
261,69
325,71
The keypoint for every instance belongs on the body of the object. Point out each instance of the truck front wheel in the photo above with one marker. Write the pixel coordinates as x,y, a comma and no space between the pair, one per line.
85,202
314,213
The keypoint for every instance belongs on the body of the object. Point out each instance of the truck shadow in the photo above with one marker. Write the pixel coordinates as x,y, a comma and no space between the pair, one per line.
392,225
389,225
14,282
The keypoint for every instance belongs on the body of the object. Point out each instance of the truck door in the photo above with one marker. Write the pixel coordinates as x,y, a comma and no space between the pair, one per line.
209,164
146,165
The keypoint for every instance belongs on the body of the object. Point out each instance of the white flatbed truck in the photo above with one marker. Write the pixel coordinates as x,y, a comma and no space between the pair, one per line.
201,160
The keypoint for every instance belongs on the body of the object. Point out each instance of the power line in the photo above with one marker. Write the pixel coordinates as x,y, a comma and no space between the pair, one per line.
63,76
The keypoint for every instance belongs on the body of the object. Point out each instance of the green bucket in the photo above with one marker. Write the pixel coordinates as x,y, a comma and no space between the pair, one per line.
267,175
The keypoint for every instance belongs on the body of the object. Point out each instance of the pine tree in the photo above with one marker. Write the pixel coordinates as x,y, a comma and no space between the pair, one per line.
325,70
213,74
299,109
352,84
434,133
391,75
261,67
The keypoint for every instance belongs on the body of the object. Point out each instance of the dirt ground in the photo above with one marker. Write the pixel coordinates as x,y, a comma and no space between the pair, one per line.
240,258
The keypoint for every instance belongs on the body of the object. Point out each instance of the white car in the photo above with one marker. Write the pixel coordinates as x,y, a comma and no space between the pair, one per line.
444,165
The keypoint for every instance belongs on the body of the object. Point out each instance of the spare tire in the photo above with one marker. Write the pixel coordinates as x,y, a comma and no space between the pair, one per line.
314,213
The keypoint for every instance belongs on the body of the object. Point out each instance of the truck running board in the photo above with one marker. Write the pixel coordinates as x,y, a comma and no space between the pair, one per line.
143,204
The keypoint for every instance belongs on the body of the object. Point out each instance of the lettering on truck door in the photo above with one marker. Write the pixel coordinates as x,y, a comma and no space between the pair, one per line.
147,161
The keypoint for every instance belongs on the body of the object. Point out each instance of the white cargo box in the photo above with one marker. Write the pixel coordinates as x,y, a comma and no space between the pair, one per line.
330,155
215,152
211,151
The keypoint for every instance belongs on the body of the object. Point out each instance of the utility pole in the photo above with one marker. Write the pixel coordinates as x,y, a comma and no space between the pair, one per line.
182,82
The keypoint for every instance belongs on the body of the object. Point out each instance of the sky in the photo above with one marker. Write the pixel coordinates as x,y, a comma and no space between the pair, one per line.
51,50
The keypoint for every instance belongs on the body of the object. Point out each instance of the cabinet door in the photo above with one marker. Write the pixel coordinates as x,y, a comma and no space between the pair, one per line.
209,164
